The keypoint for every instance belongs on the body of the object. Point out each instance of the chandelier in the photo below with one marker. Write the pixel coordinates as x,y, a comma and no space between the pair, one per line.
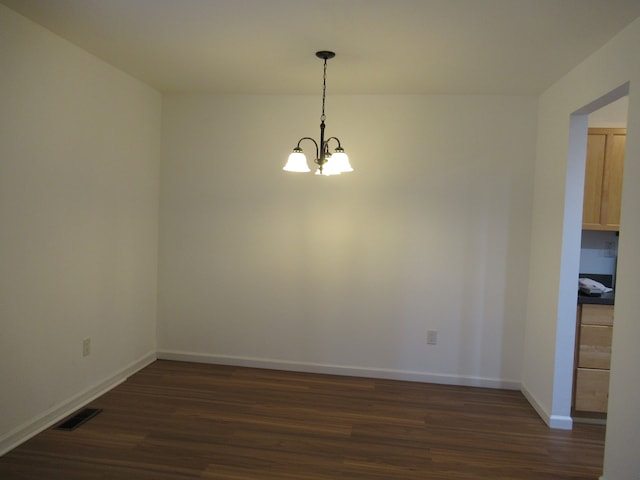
329,163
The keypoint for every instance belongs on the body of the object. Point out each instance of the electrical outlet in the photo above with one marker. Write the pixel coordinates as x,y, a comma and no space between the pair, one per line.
432,337
86,347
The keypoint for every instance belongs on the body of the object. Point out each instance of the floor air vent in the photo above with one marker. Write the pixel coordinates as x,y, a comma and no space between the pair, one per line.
78,419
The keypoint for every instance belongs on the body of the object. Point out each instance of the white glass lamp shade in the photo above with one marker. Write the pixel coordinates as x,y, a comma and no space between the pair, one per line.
297,162
341,161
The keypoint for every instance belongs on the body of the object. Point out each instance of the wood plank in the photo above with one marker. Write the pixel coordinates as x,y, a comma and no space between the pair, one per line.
178,420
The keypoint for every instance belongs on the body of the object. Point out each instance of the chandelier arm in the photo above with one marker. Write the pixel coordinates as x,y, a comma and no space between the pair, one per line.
334,138
314,142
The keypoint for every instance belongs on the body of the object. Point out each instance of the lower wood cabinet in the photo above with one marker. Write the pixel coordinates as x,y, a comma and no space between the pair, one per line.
592,390
594,350
593,357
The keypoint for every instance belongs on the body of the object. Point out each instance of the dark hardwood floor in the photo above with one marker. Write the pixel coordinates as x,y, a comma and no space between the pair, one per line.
183,420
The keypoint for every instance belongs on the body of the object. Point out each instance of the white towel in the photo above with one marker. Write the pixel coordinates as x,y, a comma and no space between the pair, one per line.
592,284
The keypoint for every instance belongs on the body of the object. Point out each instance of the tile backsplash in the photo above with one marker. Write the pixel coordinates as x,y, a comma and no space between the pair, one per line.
599,252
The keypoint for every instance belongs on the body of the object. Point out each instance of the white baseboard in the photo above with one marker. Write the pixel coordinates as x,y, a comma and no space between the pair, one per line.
390,374
559,422
57,413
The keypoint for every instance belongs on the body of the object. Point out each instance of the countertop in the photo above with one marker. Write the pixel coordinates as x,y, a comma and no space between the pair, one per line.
605,299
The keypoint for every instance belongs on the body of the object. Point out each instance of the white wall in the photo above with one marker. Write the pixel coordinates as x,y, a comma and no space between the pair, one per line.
346,274
79,182
555,237
613,115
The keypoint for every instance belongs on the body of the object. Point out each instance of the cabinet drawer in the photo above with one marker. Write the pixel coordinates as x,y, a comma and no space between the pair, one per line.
595,346
596,314
592,390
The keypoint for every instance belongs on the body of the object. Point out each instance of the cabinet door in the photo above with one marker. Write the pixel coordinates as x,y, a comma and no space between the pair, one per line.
594,314
612,181
595,346
592,390
603,179
594,174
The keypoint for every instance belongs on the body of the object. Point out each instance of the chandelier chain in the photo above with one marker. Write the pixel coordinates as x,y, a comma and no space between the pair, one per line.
324,90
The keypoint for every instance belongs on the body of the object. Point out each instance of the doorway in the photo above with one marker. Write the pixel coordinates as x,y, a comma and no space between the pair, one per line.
597,249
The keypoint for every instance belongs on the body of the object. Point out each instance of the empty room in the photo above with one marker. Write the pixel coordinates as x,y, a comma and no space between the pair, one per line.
185,293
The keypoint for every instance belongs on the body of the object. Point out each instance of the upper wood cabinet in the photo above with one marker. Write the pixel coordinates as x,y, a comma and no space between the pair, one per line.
603,179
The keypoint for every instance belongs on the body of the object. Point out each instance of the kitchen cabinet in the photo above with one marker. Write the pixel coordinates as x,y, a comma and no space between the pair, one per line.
593,357
603,179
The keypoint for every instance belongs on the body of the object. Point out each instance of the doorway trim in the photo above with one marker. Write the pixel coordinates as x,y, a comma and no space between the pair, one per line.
570,256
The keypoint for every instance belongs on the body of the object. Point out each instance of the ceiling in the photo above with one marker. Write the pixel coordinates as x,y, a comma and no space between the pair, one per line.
508,47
